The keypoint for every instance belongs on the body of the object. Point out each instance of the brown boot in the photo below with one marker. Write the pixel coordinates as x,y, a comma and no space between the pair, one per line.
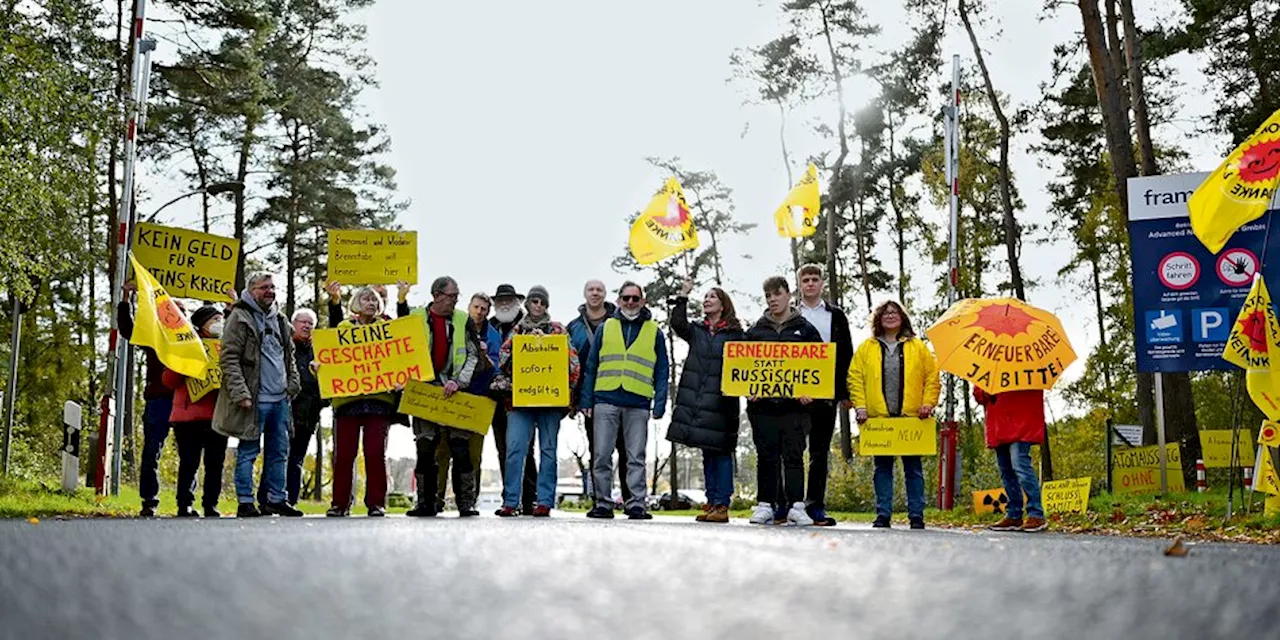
1033,525
718,513
706,511
1007,524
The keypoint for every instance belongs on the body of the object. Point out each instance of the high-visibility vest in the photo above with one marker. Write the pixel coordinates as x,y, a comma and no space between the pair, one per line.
627,368
457,343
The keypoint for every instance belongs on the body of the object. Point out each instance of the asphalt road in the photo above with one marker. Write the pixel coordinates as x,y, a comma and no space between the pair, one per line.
571,577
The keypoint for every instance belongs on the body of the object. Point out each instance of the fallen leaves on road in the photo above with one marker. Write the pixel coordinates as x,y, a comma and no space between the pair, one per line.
33,520
1177,549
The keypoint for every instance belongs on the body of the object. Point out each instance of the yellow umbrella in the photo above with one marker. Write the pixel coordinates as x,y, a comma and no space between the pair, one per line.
1001,344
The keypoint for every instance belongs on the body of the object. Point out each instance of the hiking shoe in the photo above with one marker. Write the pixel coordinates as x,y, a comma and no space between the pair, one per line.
820,518
762,513
603,513
212,512
247,510
148,511
377,512
917,523
798,516
718,513
421,511
1033,525
702,517
468,513
1007,524
882,522
506,512
188,512
281,509
542,511
638,513
336,512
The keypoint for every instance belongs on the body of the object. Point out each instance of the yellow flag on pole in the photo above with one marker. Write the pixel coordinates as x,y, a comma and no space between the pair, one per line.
159,324
1240,190
1269,434
665,227
1265,478
798,215
1254,345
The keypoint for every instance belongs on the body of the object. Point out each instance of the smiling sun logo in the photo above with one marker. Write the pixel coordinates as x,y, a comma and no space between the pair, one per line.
1003,319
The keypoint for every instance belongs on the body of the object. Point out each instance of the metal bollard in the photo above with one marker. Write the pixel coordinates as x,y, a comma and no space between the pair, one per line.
1248,478
1201,484
71,424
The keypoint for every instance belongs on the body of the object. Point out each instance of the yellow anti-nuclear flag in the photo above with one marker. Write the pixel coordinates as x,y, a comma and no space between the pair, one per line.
1265,478
665,227
798,215
1269,434
1254,345
1240,190
159,324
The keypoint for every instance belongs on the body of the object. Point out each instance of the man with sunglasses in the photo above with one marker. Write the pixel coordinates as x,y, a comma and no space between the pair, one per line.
625,381
446,327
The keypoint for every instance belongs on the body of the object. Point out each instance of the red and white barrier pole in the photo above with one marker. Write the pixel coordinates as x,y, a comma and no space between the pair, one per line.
1201,484
1248,478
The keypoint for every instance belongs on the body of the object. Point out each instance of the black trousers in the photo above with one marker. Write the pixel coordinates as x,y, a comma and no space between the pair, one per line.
428,470
621,446
822,427
529,488
198,441
780,441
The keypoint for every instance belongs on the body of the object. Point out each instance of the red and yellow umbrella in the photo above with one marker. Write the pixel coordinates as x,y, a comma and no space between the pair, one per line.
1001,344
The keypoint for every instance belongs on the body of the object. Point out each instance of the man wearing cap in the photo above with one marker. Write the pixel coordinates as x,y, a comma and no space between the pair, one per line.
626,380
454,363
507,313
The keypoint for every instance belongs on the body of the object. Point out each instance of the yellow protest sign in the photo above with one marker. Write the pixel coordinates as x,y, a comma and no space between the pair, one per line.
159,323
898,437
198,388
1137,470
461,410
1265,478
1066,496
779,369
188,264
990,501
1215,447
363,256
363,359
540,371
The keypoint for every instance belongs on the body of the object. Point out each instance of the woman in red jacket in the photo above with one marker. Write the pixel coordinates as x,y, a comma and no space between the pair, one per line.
193,429
1015,421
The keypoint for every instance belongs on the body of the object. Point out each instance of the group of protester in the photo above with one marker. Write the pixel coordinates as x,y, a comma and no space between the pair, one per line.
618,369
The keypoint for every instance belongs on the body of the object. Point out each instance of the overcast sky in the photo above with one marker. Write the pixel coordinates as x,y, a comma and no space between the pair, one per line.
519,131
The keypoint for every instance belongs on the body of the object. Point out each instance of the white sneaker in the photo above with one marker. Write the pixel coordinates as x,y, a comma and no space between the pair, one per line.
798,516
762,513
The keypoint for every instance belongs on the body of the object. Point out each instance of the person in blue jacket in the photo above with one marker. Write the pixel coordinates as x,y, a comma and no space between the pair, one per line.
582,331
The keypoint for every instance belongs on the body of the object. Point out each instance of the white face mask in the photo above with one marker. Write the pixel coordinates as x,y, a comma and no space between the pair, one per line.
215,329
630,315
506,314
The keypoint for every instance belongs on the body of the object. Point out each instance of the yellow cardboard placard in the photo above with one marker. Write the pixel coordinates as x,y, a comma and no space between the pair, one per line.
198,388
460,410
363,256
540,371
1215,447
1066,496
779,370
1137,470
188,264
898,437
371,358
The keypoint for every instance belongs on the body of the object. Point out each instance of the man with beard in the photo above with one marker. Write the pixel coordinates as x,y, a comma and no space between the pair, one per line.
507,313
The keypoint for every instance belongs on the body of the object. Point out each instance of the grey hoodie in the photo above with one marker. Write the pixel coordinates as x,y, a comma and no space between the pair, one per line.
272,379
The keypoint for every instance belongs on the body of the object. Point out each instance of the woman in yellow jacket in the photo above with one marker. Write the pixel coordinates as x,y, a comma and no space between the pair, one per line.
894,373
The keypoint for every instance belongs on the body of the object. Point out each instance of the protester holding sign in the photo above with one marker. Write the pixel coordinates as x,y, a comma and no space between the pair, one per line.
454,359
1015,422
259,377
488,346
523,421
894,374
703,417
626,380
307,405
507,313
192,422
779,425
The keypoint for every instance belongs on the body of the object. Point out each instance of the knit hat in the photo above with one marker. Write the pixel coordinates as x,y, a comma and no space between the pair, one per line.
539,292
203,314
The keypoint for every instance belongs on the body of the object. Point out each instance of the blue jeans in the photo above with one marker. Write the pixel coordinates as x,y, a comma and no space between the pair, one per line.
521,424
155,430
717,471
1019,477
273,420
913,474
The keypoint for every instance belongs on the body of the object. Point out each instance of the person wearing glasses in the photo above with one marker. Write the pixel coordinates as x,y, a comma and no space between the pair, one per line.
259,377
454,360
894,374
625,382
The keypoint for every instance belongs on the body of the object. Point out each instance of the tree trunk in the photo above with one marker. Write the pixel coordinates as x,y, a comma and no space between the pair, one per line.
860,235
1115,48
1138,97
1011,232
898,216
833,283
786,162
242,173
291,224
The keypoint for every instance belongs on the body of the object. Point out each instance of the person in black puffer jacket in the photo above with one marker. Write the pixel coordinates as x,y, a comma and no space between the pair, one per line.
703,417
